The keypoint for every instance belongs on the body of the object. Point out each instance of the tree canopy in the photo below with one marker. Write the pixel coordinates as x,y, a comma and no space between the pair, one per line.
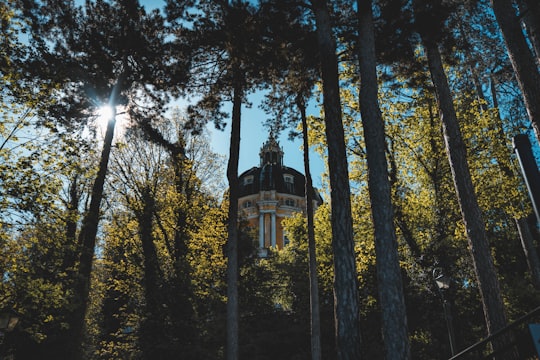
130,244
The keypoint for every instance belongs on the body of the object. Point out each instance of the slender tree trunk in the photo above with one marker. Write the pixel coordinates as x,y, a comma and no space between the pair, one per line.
72,210
521,58
87,242
502,152
152,329
232,241
436,175
465,35
180,304
530,17
530,250
316,353
524,231
479,90
346,310
399,215
389,282
486,275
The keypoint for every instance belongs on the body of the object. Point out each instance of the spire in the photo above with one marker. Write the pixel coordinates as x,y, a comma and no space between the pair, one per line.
271,152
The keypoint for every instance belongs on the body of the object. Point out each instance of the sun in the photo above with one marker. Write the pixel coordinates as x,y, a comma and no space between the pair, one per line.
104,114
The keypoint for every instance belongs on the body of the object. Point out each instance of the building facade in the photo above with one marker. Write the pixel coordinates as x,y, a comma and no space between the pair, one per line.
270,193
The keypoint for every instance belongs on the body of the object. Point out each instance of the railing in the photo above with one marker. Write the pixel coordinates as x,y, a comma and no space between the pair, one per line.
521,347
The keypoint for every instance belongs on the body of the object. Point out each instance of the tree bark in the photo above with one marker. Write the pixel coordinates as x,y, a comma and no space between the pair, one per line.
346,313
87,242
153,323
486,275
530,17
524,231
232,241
389,282
316,352
529,249
521,58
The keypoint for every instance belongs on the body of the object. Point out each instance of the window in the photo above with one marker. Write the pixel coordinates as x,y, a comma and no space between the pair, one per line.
290,202
247,204
248,180
289,183
286,240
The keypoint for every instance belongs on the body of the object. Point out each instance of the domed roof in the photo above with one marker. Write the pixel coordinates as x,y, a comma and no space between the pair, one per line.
272,174
282,179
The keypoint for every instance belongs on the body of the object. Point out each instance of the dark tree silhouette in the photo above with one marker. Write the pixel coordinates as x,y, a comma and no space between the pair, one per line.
394,316
102,53
346,315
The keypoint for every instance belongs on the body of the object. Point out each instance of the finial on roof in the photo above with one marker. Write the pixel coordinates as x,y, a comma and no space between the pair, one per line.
271,152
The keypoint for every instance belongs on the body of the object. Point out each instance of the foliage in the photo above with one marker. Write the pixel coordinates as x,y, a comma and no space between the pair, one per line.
164,216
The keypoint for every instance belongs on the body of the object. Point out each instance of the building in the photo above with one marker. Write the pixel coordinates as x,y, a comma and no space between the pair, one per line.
269,193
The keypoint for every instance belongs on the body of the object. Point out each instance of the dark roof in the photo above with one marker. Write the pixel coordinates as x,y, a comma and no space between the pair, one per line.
271,177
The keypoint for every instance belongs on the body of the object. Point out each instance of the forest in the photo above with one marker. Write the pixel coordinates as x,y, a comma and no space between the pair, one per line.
120,230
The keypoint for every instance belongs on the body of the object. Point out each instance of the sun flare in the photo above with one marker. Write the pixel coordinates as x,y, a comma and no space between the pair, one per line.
104,114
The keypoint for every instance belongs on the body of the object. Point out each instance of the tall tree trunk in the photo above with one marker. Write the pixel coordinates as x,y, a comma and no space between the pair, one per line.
316,352
502,152
232,241
465,35
478,88
72,208
521,58
180,303
436,174
154,337
399,216
346,311
87,242
529,249
524,231
486,275
389,282
530,17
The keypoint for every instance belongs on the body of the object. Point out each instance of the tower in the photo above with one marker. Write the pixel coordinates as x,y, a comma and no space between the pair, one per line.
269,193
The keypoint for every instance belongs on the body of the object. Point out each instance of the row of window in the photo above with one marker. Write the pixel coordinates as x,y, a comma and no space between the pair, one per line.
288,202
289,179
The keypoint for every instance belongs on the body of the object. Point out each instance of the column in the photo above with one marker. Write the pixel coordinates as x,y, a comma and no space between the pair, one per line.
273,230
261,231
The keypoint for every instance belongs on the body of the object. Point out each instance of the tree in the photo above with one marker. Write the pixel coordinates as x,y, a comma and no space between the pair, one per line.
472,216
108,53
118,291
395,332
40,244
530,14
295,71
227,38
345,284
525,68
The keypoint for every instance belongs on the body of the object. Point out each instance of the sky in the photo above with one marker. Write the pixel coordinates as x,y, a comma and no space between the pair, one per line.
253,134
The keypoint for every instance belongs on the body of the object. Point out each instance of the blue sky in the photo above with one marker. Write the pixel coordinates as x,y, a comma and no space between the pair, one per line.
254,134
